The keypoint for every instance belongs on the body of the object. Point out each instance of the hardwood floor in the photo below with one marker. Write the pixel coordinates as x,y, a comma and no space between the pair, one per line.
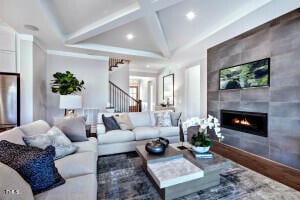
279,172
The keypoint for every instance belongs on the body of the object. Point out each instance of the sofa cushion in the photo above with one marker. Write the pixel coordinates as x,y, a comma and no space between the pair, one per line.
14,135
91,145
74,128
77,164
11,180
140,119
142,133
100,129
116,136
77,188
110,123
35,128
56,138
35,165
124,121
168,131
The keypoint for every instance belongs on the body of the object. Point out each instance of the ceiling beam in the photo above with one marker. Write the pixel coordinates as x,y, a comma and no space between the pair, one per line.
110,22
47,7
116,50
159,5
76,55
155,27
234,17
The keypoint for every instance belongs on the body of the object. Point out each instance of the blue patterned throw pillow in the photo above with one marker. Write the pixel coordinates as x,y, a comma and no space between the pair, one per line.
35,165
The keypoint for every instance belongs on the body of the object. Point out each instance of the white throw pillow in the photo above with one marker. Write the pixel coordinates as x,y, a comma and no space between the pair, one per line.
163,119
124,122
56,138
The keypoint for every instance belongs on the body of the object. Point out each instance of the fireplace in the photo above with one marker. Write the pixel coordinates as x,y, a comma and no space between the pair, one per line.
249,122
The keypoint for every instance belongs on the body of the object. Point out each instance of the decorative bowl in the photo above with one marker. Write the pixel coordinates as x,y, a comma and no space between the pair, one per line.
157,147
201,149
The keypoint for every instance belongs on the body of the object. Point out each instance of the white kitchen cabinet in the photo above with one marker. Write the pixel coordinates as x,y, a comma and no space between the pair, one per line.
7,61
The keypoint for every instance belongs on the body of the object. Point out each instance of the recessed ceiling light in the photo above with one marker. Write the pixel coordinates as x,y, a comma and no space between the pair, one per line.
31,27
129,36
190,15
148,66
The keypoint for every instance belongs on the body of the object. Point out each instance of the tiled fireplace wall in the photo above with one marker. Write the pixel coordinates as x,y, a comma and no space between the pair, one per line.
280,41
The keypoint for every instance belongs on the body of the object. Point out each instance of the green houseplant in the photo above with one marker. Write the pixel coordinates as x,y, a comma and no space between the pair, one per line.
66,83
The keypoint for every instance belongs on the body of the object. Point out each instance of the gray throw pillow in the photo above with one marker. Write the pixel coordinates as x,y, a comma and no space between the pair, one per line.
175,116
73,128
55,137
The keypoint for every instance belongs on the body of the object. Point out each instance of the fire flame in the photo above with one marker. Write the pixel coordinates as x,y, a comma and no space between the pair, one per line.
243,121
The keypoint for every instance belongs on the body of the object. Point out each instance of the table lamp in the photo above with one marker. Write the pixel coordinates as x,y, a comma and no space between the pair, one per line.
70,103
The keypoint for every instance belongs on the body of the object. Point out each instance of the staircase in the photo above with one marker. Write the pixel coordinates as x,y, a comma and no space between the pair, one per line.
122,101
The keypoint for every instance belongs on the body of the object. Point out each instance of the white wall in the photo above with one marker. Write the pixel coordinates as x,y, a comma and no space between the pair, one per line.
93,72
203,86
120,76
178,87
192,92
7,49
32,69
25,67
39,83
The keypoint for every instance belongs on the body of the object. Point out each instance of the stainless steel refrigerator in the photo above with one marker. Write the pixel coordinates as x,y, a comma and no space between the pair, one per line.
9,100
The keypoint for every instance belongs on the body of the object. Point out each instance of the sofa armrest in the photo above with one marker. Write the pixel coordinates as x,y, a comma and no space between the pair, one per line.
12,185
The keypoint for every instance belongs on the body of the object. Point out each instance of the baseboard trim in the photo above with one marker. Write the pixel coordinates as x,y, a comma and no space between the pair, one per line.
274,170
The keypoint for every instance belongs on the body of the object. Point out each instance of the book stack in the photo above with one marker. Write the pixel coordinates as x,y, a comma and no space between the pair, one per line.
207,155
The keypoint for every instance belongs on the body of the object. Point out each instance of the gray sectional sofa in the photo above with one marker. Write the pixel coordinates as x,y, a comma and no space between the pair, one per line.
78,169
145,130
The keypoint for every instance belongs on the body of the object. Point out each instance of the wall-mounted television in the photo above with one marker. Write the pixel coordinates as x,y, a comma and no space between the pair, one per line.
247,75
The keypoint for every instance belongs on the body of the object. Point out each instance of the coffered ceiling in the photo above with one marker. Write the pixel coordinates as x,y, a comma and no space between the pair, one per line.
161,33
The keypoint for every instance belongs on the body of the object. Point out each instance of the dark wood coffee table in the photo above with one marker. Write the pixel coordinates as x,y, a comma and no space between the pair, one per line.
192,176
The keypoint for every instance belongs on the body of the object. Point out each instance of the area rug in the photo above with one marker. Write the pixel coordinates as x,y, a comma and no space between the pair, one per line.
122,177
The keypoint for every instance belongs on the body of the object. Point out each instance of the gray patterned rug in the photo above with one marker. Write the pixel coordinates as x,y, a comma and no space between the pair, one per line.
122,177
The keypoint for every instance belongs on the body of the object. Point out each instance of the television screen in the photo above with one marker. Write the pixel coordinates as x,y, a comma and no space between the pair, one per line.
253,74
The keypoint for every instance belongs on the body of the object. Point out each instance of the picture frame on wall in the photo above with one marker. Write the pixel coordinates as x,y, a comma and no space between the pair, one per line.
248,75
168,89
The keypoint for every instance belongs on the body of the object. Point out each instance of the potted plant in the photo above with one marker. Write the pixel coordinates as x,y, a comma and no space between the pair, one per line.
200,142
67,85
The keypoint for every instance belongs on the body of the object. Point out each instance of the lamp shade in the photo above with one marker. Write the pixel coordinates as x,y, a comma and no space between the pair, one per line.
70,101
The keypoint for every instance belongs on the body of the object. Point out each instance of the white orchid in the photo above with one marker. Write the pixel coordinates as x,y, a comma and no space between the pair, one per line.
211,122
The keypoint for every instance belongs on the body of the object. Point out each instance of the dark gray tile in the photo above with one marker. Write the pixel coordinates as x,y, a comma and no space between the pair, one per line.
229,61
261,37
231,140
229,105
230,95
213,105
256,148
285,94
249,106
284,126
213,96
289,159
256,53
213,76
255,94
279,109
212,86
